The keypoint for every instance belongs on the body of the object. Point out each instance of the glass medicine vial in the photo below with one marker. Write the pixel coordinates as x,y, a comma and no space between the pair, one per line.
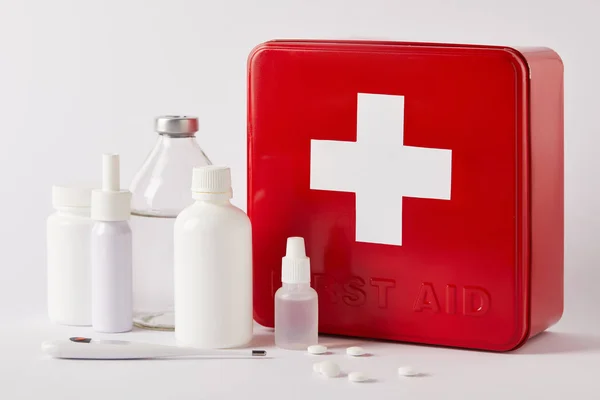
160,191
296,303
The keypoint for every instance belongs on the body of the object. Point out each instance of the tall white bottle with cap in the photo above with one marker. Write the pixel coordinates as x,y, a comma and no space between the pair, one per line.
296,303
111,252
213,266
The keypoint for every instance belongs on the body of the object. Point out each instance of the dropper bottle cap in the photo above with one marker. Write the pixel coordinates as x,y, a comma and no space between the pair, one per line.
295,266
111,203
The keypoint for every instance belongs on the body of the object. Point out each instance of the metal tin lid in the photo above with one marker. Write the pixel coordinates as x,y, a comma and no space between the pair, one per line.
176,125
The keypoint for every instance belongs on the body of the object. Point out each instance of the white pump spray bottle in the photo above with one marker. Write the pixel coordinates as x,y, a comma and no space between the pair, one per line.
110,249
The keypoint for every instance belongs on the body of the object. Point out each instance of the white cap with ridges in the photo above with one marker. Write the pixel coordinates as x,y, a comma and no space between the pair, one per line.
111,203
70,196
295,266
211,179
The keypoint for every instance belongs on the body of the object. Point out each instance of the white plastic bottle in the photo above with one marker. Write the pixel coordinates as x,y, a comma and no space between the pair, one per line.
296,303
112,307
213,266
68,257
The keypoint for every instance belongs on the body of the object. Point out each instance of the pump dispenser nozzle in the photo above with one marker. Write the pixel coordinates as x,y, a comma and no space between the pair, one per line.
295,266
111,203
111,181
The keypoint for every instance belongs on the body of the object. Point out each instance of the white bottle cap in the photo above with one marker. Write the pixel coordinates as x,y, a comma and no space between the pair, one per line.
111,203
69,196
295,266
211,179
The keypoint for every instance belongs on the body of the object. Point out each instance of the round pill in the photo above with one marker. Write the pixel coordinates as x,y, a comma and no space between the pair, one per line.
317,367
357,377
317,349
407,371
355,351
330,369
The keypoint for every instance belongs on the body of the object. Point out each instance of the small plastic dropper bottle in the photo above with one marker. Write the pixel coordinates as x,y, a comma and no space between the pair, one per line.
110,250
296,303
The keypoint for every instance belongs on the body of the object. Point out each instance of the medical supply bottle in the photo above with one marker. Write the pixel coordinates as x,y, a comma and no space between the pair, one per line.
296,303
160,191
69,273
213,266
111,252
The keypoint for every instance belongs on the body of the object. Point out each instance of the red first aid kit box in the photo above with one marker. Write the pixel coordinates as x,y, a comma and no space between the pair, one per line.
426,180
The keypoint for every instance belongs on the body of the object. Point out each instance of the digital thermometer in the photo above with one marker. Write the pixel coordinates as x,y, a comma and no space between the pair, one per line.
86,348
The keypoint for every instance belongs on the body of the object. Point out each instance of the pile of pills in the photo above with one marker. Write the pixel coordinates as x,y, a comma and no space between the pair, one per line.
330,369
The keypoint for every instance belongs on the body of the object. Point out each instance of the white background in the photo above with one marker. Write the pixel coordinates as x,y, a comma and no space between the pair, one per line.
78,78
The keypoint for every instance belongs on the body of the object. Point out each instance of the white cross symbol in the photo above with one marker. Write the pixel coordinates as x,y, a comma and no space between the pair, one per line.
380,169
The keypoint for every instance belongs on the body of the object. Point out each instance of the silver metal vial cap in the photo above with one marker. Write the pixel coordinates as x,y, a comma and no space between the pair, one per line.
176,125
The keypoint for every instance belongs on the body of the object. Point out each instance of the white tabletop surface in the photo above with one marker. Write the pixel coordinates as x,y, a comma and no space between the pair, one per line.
562,363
